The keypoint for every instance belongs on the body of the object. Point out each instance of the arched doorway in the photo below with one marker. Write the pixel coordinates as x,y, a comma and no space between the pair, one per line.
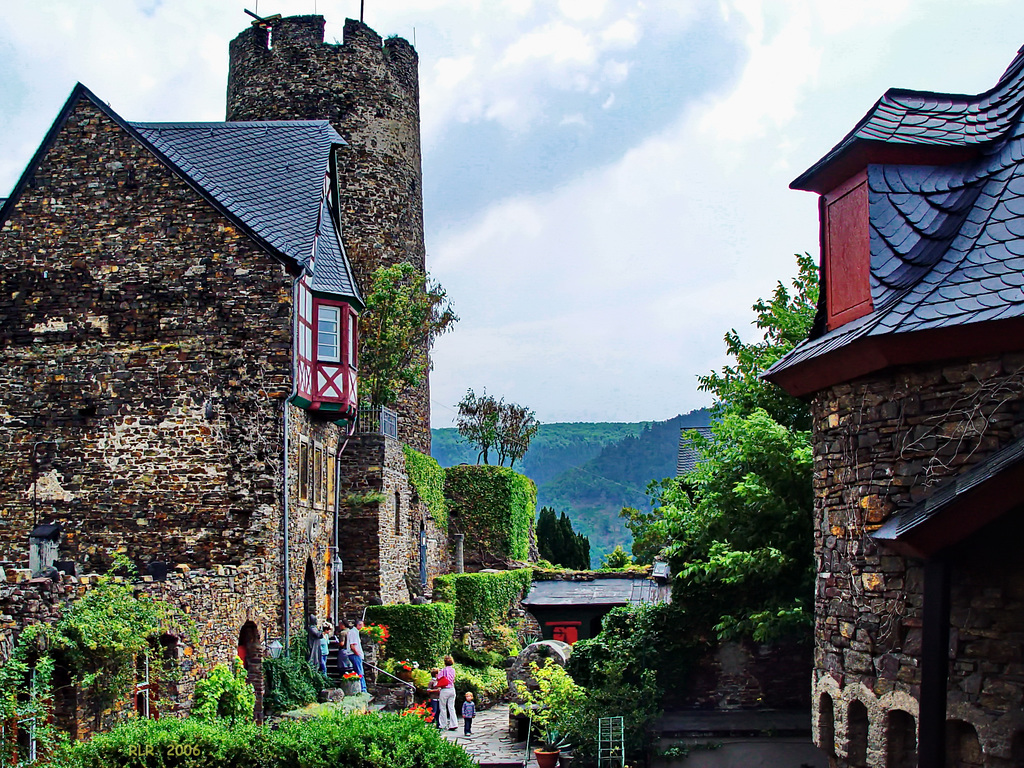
250,651
308,595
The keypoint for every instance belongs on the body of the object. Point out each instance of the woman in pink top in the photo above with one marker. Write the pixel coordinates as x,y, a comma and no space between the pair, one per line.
446,679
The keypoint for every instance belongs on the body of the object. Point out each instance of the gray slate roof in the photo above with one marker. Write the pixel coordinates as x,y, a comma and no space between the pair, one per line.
270,175
947,242
592,592
905,116
687,458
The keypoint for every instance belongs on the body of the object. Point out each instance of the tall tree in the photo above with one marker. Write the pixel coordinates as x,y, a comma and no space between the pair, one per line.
405,313
559,543
737,529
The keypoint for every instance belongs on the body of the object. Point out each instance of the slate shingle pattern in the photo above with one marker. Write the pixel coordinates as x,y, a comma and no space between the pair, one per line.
687,458
947,242
904,116
270,175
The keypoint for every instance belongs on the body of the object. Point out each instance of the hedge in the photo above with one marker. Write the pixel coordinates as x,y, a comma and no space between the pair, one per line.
381,740
420,633
484,598
427,477
495,509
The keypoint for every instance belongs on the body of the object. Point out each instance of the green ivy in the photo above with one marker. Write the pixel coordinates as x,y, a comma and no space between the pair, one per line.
494,507
420,633
427,477
482,598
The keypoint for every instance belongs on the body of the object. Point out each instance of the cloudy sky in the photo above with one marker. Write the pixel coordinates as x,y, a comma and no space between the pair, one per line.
605,181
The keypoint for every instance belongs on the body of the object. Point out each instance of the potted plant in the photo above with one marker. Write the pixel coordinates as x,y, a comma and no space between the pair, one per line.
551,705
351,684
403,670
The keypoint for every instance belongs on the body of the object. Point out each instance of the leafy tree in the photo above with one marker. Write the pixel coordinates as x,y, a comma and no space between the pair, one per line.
559,543
489,424
737,529
617,558
516,427
478,422
405,312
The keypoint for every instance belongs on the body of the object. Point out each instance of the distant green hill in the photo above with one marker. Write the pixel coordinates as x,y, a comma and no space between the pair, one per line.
590,471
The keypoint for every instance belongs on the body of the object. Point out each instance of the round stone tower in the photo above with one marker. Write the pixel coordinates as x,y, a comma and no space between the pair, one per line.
369,90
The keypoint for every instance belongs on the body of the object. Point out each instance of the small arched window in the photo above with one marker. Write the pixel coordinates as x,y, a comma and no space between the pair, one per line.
857,734
398,513
900,740
826,725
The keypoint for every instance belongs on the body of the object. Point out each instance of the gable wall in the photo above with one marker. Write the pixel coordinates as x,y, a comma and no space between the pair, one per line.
881,444
150,337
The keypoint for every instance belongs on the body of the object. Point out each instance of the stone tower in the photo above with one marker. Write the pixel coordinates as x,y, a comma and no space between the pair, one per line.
369,90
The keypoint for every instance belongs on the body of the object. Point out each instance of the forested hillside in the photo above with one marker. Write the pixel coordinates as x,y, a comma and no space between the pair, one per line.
590,471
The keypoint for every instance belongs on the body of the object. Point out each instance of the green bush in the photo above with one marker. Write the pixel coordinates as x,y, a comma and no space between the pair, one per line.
476,659
483,598
420,633
427,477
290,682
490,681
329,741
225,693
495,510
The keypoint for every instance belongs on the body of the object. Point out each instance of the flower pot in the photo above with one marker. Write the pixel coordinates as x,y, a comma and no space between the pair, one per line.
565,759
404,674
546,759
351,687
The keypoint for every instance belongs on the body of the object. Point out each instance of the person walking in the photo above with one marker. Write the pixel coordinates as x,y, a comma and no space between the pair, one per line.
355,649
446,679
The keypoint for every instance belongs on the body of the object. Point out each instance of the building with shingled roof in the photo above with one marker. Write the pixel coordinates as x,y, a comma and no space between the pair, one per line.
179,309
915,373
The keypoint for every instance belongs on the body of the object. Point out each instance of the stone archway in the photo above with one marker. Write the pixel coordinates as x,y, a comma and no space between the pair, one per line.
250,651
308,595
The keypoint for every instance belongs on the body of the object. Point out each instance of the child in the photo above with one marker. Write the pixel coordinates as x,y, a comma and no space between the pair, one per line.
435,696
468,712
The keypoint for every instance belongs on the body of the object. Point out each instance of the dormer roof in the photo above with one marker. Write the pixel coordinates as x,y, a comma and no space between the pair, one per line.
946,245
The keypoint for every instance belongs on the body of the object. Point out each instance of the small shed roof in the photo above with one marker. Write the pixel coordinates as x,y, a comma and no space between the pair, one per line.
687,458
597,591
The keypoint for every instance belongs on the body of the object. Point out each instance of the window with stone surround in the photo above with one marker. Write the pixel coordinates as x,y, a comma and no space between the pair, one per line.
398,513
303,470
962,746
330,481
318,467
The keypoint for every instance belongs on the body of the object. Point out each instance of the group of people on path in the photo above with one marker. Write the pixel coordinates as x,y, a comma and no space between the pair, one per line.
442,699
350,649
350,658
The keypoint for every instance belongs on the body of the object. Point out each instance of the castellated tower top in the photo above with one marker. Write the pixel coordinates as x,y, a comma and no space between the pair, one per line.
368,89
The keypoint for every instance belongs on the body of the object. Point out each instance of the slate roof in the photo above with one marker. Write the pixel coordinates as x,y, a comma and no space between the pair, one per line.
905,116
592,592
270,175
947,242
687,458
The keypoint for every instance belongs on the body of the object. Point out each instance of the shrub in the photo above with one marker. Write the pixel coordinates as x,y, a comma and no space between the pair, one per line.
477,659
329,741
422,633
225,693
427,477
490,681
291,683
482,598
495,509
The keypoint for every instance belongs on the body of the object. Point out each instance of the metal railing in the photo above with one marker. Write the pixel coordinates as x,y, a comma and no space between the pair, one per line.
378,421
384,671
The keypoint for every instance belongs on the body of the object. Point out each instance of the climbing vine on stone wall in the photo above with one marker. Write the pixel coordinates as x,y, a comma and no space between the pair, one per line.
483,599
427,477
494,507
420,633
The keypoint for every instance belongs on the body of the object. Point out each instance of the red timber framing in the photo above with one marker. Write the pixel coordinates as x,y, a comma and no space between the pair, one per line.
334,381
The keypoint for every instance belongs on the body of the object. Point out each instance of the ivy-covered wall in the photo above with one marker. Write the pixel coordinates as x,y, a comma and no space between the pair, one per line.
493,507
427,477
420,633
483,599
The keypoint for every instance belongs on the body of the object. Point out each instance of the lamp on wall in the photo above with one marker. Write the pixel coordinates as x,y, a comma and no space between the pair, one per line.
274,648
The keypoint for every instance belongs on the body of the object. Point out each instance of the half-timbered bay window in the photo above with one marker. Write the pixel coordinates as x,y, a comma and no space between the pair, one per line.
328,334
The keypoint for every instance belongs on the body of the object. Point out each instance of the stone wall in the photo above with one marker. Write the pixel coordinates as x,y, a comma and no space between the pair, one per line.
883,443
749,676
369,90
144,357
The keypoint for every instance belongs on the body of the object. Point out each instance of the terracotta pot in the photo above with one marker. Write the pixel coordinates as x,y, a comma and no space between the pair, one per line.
546,759
404,674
